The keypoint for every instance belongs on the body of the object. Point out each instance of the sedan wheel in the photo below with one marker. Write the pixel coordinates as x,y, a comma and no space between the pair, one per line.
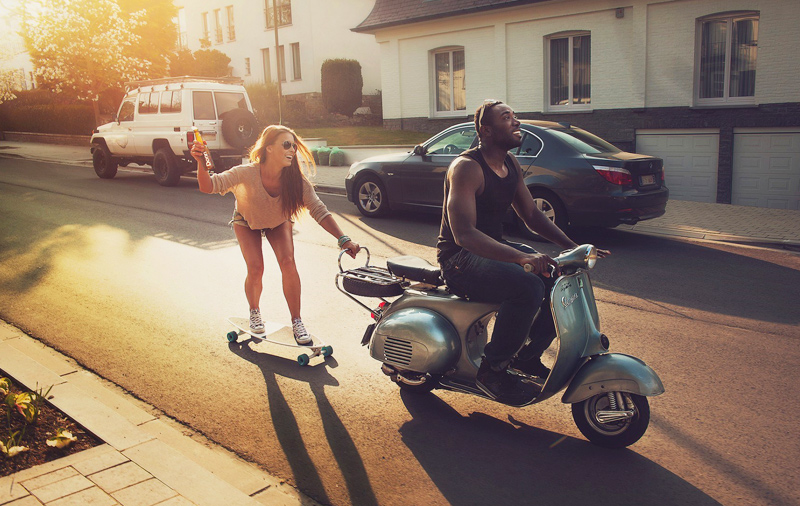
550,206
371,199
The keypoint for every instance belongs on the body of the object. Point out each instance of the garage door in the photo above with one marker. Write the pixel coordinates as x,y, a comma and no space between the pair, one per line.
690,161
766,168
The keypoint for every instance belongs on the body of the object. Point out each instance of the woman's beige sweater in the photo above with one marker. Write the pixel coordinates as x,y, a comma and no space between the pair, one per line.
259,208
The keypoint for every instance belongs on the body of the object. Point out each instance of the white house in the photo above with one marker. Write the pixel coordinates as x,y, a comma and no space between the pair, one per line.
309,32
709,85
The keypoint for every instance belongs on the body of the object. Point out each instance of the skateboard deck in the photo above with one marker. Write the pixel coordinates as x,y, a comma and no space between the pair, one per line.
279,334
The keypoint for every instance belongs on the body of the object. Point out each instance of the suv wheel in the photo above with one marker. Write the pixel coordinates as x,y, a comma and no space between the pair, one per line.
239,128
165,167
104,164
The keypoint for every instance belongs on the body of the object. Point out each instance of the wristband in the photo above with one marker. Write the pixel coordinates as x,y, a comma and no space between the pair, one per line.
343,240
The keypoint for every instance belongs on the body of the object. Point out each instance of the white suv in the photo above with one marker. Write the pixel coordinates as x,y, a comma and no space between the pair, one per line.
155,120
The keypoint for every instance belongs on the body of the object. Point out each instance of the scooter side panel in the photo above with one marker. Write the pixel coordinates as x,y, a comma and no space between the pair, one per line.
613,372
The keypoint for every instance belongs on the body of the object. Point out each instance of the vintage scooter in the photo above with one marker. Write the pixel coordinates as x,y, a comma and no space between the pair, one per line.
428,338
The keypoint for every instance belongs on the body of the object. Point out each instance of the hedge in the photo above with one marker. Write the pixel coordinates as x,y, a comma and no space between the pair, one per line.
48,119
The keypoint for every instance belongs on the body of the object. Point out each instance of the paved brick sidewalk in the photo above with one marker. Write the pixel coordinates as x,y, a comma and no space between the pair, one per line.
147,459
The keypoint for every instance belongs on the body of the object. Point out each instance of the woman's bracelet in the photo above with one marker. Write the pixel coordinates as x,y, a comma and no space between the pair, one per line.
343,240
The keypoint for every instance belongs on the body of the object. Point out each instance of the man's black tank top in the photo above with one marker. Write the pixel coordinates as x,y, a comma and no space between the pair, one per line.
491,205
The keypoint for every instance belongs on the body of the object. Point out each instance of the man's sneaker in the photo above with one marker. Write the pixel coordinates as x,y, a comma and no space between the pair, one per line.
300,333
533,366
256,325
502,386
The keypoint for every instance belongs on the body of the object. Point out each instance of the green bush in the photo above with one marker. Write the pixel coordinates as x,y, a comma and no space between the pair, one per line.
264,99
324,155
337,157
72,119
341,86
315,153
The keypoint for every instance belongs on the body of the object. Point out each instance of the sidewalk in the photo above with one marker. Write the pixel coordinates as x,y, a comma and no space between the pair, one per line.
147,458
775,228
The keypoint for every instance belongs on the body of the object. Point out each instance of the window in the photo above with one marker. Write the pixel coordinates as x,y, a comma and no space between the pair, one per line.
284,12
449,81
203,105
296,70
569,60
170,101
126,110
217,27
228,101
267,71
281,64
231,29
206,33
247,66
531,145
726,59
453,143
148,103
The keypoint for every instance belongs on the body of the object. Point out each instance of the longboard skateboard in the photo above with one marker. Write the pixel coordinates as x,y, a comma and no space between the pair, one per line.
279,334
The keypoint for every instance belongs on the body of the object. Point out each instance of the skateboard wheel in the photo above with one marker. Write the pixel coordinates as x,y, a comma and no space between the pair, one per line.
232,336
327,351
303,359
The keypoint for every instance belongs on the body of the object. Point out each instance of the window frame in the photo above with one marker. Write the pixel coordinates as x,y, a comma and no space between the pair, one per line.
218,39
434,83
284,8
280,53
231,25
297,71
726,99
570,106
266,63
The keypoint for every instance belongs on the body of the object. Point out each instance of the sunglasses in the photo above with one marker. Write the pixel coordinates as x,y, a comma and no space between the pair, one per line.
487,104
289,144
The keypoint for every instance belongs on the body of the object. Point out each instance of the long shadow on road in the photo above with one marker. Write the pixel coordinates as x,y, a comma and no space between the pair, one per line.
478,459
284,422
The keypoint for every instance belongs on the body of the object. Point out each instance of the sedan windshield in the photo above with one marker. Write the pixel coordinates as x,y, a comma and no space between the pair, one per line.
583,141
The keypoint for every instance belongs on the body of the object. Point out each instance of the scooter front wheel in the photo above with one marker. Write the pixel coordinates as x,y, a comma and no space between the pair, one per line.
612,419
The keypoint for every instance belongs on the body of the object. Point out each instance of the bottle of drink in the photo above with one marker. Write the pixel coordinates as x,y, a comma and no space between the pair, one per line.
206,154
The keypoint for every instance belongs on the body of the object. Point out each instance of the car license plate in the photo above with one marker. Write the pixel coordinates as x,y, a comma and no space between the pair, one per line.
647,180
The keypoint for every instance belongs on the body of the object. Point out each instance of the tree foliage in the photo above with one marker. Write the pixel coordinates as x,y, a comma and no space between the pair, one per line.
83,47
203,62
341,86
157,32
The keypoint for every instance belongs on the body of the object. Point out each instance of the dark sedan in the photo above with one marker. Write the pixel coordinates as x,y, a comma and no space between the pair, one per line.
576,178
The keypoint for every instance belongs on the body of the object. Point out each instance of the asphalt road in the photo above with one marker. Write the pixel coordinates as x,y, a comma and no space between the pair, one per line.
135,281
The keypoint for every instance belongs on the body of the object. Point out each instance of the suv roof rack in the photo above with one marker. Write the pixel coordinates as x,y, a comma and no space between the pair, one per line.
183,79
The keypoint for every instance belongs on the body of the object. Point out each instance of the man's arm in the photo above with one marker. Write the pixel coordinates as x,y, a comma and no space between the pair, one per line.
526,209
466,180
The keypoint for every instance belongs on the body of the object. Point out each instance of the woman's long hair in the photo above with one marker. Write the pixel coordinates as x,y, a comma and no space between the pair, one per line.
292,176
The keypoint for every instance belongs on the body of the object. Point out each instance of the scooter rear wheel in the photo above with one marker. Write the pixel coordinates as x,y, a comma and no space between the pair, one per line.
613,434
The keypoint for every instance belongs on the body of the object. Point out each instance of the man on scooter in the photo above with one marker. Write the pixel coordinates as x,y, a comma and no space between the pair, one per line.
477,263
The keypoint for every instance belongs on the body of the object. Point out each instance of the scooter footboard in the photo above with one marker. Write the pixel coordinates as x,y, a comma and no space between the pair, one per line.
612,372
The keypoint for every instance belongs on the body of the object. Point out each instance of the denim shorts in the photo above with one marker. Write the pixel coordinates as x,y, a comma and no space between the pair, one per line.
238,219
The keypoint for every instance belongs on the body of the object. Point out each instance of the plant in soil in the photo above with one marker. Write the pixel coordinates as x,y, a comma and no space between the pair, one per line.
33,432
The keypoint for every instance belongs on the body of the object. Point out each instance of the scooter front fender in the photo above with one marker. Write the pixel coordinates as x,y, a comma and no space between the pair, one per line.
612,372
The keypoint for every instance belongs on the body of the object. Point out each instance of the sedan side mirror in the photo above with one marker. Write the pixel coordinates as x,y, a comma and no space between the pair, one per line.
419,150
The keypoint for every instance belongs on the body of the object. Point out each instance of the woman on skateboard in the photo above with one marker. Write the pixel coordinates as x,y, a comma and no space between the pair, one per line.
270,192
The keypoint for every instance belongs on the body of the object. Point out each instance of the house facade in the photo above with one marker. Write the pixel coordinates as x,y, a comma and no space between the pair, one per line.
309,32
708,85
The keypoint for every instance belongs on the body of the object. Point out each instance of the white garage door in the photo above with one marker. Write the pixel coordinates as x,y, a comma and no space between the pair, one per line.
690,161
766,168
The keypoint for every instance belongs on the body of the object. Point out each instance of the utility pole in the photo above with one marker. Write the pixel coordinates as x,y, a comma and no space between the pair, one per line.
278,59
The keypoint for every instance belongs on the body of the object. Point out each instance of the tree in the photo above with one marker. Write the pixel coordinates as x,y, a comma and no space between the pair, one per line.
341,86
8,84
158,33
83,46
211,63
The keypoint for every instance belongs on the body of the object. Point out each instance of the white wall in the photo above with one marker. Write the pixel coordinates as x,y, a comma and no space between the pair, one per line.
321,27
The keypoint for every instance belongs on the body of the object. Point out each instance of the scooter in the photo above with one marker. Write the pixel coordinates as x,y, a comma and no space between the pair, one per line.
428,338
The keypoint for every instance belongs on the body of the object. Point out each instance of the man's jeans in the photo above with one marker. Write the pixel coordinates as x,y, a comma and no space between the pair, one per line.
520,295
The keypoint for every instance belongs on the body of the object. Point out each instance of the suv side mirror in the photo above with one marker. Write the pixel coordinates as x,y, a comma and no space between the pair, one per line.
115,118
419,150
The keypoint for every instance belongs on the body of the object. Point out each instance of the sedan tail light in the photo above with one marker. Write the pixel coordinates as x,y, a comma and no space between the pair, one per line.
614,175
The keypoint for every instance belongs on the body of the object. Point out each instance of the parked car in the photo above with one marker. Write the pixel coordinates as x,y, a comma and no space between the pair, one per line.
575,177
155,120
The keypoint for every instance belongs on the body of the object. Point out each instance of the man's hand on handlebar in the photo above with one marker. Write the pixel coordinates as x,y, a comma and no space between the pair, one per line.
539,263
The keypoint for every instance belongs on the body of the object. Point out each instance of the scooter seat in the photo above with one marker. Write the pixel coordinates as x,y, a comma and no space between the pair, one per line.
415,269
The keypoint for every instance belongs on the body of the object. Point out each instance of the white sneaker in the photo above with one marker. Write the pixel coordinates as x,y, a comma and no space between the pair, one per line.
256,325
300,332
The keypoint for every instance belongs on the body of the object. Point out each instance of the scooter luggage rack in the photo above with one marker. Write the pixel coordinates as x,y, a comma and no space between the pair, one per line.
368,281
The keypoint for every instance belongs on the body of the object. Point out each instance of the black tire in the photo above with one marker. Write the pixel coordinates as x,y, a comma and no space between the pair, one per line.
371,198
613,434
239,128
165,167
551,206
104,164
